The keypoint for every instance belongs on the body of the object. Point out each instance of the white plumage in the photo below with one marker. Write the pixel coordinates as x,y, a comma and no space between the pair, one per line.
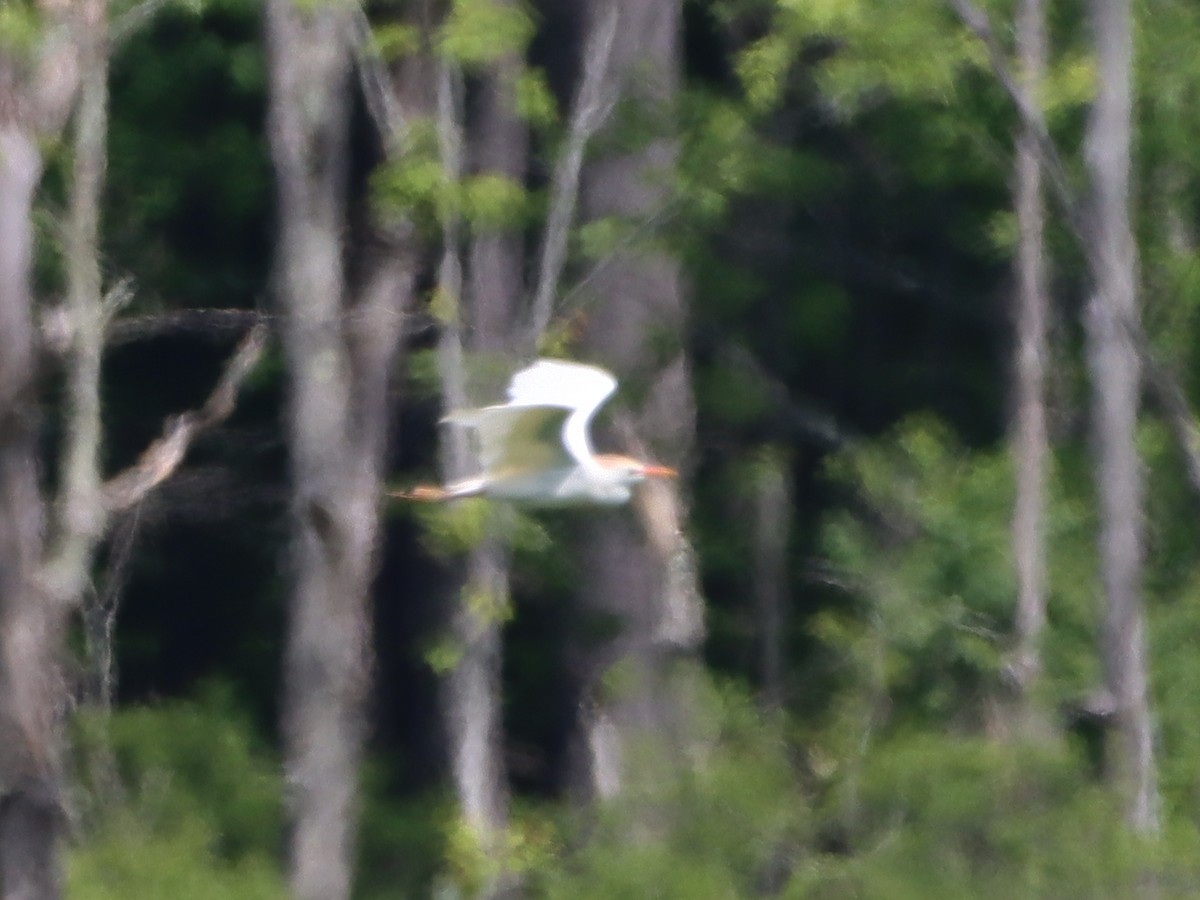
537,449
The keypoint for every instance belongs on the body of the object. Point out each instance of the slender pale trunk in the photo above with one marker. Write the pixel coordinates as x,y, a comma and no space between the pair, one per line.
339,355
638,570
471,690
1111,323
497,144
81,515
1029,433
771,518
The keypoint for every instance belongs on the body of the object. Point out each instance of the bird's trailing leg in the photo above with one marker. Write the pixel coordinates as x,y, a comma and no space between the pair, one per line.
433,493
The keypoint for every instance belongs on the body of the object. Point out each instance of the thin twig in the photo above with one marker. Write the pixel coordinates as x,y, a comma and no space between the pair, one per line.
644,227
100,615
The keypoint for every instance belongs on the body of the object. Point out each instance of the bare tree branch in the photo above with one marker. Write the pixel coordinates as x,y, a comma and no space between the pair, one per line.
592,107
211,324
794,416
1029,111
1171,400
375,84
214,323
57,329
164,455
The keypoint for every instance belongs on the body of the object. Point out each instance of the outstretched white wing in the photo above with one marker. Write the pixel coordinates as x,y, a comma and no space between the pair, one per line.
574,386
517,440
554,382
545,423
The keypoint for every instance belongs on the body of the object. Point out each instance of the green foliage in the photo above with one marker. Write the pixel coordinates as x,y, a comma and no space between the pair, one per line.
487,605
1070,84
189,183
601,237
716,823
20,27
395,40
932,815
493,202
130,860
178,802
415,184
928,565
731,394
443,655
445,306
478,32
535,101
523,848
911,50
423,373
763,68
725,157
401,841
452,529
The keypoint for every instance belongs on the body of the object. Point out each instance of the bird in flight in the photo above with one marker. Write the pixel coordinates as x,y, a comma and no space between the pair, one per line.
536,448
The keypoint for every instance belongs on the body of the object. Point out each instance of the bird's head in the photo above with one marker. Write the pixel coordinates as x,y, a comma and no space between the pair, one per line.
628,470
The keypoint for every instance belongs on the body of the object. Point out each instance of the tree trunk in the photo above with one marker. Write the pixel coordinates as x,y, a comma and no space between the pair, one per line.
35,95
639,575
80,513
1111,326
339,356
1029,435
31,629
497,143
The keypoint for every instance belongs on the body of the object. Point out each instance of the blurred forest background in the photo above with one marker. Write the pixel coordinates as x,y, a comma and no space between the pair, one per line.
907,291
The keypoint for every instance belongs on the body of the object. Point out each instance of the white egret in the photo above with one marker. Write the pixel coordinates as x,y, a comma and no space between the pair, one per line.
535,449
